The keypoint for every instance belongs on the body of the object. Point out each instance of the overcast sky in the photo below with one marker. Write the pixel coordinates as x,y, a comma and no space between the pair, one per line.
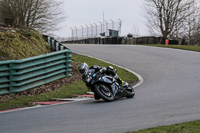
85,12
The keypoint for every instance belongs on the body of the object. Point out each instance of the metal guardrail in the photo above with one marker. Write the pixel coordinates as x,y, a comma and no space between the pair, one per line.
20,75
54,44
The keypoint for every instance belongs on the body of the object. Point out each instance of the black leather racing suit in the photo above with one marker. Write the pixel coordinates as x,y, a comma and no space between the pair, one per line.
109,71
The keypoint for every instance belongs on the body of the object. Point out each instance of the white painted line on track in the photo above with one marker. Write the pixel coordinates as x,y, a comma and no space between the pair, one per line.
72,99
141,80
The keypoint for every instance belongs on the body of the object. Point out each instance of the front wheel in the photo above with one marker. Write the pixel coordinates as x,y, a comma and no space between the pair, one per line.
130,92
104,91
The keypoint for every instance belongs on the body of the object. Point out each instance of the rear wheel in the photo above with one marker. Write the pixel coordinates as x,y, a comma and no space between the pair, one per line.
130,92
104,91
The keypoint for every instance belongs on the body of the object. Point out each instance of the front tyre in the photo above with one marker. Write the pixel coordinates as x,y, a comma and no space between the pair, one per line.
130,92
96,97
104,91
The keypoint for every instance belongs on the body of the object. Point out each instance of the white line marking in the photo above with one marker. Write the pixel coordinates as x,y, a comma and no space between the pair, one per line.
141,80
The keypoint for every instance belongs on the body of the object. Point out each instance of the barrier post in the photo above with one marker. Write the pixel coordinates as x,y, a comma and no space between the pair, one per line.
167,42
68,65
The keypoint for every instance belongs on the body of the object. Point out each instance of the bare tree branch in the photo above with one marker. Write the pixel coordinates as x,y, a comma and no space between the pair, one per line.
42,15
167,17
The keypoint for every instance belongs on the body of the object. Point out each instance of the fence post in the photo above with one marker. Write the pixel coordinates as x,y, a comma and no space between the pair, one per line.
11,77
57,46
61,47
52,44
49,40
68,65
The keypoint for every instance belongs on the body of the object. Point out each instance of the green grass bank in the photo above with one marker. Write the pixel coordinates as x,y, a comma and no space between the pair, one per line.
21,43
68,90
182,47
189,127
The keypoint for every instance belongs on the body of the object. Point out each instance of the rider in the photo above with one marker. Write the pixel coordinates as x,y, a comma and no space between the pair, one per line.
83,69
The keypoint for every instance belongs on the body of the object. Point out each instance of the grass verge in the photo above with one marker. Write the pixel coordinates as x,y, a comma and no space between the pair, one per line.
189,127
68,90
183,47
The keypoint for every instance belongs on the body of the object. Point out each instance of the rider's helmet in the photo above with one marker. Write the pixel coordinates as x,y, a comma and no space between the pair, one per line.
83,68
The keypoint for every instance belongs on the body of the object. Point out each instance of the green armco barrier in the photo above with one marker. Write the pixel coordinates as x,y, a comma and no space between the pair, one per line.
20,75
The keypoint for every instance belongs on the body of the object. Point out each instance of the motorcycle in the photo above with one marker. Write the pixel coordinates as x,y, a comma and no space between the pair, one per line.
106,87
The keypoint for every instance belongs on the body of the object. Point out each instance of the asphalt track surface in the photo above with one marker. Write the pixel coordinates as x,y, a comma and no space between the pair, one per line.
170,94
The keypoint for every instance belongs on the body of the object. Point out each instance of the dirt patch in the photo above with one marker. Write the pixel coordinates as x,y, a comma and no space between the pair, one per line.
5,28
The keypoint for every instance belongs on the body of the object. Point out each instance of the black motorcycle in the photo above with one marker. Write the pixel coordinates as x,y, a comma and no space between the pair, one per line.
106,87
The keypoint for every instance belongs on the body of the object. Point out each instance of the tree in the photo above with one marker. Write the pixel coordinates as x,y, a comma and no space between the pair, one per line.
167,17
193,37
42,15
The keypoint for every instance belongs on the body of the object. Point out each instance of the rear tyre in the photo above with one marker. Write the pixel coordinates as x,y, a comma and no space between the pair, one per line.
104,91
130,92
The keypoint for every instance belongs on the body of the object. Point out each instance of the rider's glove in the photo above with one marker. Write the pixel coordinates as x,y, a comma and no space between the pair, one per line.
102,70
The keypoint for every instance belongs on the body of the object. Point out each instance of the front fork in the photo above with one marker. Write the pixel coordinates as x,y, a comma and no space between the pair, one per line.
115,89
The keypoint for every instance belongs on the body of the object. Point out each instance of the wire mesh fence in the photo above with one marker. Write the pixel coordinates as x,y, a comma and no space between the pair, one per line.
105,28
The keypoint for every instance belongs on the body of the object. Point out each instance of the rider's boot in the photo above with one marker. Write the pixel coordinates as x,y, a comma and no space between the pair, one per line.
119,81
